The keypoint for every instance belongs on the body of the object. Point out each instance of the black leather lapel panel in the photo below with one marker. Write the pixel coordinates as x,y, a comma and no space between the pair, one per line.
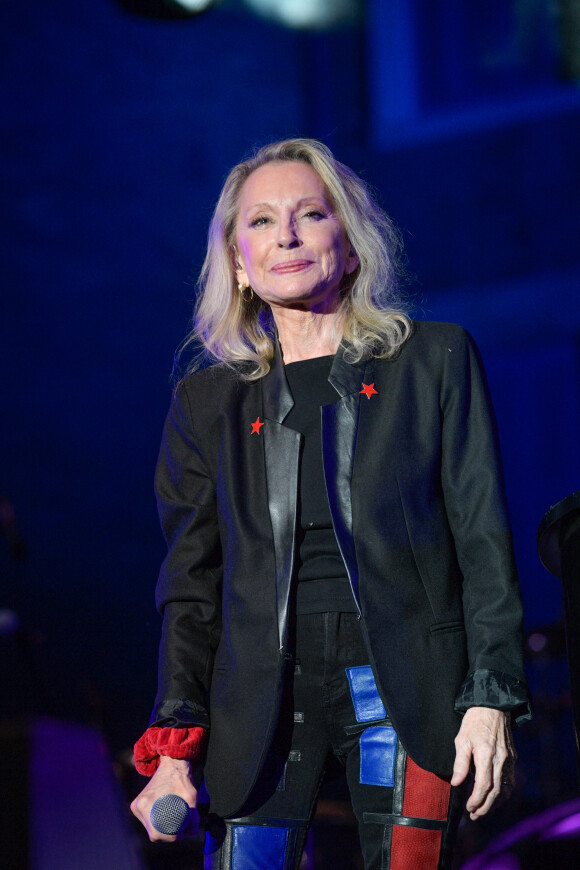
282,449
347,378
339,431
282,454
339,425
277,398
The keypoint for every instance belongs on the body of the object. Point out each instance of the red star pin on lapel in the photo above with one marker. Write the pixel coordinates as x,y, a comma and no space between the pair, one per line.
256,427
369,390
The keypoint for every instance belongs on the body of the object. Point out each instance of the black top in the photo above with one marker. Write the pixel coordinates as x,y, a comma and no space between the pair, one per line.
322,581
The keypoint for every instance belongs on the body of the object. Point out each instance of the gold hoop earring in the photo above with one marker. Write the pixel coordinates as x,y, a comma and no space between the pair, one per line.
243,288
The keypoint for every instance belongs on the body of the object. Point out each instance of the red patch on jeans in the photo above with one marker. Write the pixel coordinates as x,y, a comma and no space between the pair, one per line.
427,797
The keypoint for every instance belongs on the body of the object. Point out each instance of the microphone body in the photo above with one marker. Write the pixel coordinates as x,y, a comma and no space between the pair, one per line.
170,814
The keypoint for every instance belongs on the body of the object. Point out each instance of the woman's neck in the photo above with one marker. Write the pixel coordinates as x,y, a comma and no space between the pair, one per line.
306,335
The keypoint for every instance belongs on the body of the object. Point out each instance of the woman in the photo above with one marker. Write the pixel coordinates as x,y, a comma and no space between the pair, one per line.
357,601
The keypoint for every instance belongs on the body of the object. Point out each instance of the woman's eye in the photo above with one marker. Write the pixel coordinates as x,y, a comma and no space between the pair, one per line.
259,221
315,214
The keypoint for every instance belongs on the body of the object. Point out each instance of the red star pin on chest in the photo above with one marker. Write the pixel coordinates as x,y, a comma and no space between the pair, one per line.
369,390
256,426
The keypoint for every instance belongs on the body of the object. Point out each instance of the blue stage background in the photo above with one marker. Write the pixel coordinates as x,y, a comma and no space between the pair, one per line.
116,133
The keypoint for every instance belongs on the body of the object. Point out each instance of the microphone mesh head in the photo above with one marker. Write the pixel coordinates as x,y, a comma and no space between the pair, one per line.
170,814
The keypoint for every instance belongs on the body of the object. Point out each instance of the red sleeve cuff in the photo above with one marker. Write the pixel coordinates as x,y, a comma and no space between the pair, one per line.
175,742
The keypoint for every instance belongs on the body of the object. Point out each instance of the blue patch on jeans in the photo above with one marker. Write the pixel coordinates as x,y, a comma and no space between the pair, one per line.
378,751
365,697
259,848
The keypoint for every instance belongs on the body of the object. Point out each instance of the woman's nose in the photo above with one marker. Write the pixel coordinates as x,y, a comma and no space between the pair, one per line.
287,236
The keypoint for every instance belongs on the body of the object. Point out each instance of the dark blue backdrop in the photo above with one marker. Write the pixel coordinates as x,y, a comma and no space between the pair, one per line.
116,134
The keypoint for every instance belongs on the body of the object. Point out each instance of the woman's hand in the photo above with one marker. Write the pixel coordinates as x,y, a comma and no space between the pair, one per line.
173,776
485,737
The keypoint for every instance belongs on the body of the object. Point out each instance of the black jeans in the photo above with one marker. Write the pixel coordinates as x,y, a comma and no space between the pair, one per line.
406,817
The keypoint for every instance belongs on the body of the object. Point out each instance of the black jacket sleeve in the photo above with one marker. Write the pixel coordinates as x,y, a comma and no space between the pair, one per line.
189,587
472,480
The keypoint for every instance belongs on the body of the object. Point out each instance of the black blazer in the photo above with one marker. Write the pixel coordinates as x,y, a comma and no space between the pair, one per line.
415,490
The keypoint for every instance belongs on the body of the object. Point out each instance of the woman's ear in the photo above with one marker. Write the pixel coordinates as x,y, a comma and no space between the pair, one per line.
352,261
238,264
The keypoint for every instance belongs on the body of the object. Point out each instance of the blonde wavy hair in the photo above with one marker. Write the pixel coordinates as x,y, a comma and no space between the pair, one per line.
233,332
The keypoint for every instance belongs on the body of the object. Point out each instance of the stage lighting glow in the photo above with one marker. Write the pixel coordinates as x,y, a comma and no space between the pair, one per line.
568,827
193,5
307,14
166,9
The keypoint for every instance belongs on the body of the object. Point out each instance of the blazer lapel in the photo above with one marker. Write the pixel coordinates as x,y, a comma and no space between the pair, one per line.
339,432
282,452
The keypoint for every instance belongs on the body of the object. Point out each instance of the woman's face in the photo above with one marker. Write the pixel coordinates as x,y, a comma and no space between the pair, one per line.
290,245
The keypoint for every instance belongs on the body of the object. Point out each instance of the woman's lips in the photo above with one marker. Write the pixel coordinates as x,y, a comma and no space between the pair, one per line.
291,266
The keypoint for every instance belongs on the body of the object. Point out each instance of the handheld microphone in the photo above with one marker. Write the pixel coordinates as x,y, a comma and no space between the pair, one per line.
170,814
